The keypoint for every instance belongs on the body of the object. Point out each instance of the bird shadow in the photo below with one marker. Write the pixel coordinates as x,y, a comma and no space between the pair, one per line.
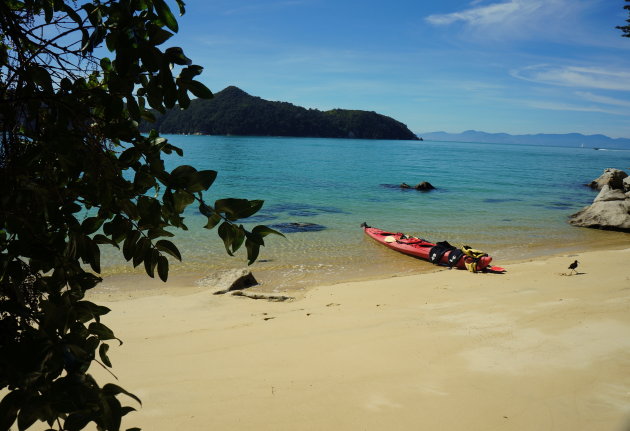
572,274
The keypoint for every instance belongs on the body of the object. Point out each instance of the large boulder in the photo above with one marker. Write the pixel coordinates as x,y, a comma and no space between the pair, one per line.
611,177
610,210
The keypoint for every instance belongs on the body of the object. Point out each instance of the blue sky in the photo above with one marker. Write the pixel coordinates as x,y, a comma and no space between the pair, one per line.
515,66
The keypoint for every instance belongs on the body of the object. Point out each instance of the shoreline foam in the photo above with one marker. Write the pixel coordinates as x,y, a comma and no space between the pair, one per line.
274,279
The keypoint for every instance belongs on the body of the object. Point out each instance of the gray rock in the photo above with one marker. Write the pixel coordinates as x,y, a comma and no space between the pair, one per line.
611,177
607,194
626,184
228,280
610,210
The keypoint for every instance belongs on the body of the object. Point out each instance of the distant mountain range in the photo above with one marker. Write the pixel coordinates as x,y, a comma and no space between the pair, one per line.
234,112
560,140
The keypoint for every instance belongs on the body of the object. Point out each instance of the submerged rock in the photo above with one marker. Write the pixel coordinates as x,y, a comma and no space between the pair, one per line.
298,227
611,208
424,186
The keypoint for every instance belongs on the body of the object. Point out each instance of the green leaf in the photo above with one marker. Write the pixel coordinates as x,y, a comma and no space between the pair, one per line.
94,255
239,237
77,421
87,311
162,267
182,11
206,178
102,239
168,247
253,250
226,234
150,261
27,416
113,390
182,176
91,225
182,98
176,55
140,252
200,90
102,352
157,35
238,208
181,200
265,230
213,220
101,331
206,210
106,64
165,14
9,407
129,246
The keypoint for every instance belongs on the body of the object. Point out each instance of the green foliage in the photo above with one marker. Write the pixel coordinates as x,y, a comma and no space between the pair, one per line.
234,112
626,28
70,146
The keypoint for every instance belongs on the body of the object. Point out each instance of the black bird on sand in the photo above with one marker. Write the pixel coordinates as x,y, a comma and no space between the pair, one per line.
573,266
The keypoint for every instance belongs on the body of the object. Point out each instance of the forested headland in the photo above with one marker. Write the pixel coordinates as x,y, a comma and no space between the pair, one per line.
234,112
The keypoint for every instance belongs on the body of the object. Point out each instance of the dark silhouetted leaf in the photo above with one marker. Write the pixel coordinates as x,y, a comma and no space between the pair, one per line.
102,352
168,247
162,267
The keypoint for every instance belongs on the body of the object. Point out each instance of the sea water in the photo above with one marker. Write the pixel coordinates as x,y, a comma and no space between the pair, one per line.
511,201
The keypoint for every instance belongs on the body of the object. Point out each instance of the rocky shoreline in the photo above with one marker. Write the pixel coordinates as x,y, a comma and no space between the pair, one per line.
610,209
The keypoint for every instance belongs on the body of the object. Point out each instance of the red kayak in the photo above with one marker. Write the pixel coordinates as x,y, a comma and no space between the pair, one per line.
441,253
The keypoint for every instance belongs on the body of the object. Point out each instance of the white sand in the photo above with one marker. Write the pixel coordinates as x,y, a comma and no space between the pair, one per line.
528,350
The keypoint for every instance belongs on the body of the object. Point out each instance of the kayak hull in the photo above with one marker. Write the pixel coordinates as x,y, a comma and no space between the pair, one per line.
420,248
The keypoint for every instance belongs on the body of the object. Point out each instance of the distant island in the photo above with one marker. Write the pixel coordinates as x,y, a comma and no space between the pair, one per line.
560,140
234,112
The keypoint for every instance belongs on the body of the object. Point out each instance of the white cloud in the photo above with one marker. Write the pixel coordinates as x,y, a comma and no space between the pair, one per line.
573,76
522,19
603,99
561,106
485,15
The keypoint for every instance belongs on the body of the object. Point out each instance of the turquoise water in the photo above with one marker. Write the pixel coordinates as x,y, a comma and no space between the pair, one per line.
511,201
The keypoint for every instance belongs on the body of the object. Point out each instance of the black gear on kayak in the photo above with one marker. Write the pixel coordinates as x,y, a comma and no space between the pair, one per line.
454,257
436,252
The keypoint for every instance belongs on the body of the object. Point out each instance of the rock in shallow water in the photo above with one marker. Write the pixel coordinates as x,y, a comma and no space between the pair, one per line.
298,227
611,208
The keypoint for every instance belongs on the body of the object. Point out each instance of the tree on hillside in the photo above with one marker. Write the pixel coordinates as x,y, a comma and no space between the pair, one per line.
76,175
626,28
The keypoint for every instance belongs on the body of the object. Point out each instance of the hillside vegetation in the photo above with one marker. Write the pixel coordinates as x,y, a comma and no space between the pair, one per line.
234,112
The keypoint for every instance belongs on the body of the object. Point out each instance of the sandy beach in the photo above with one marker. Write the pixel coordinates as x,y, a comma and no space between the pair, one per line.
532,349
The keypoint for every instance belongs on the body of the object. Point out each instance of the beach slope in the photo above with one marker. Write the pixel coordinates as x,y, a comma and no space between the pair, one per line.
532,349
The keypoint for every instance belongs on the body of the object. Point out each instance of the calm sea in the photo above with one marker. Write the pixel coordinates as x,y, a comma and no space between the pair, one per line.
511,201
